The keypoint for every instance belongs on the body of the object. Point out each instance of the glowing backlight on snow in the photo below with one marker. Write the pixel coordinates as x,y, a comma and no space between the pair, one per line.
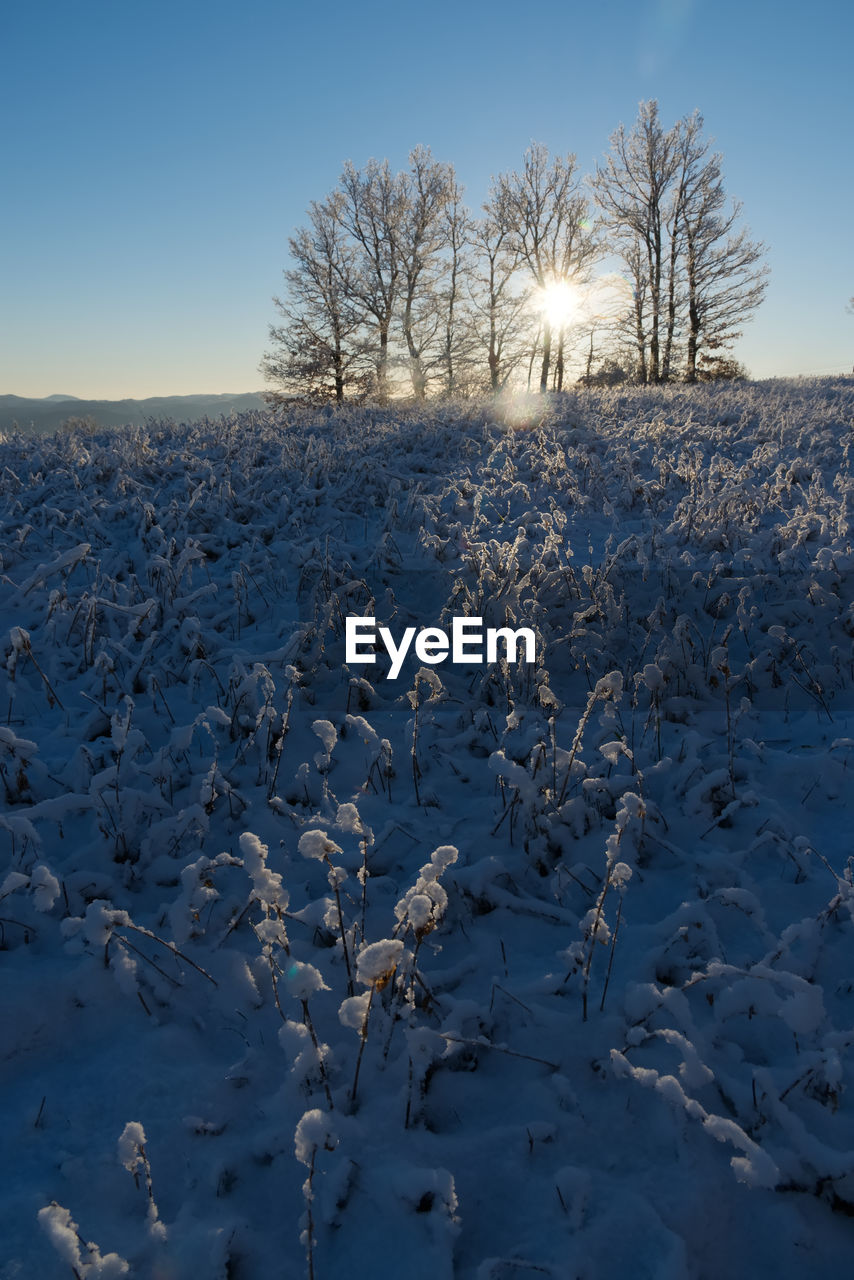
560,302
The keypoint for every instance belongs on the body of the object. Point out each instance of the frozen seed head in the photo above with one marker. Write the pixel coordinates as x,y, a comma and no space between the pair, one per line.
313,1133
353,1011
419,911
61,1229
719,658
348,818
303,980
378,961
360,725
268,884
316,844
130,1146
621,874
443,857
336,877
20,641
327,733
653,677
14,880
100,920
610,685
254,852
64,1235
271,932
612,752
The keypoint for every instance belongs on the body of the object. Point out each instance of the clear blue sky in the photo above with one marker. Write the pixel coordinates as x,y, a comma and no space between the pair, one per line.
156,156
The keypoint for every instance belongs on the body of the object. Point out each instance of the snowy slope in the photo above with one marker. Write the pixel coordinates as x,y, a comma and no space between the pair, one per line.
487,971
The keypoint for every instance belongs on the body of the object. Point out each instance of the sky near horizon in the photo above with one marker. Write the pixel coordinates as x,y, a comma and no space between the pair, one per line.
157,157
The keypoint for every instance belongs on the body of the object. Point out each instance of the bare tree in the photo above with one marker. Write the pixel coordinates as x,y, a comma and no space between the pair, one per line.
697,278
635,192
547,212
373,204
725,275
318,351
727,279
458,338
500,305
421,239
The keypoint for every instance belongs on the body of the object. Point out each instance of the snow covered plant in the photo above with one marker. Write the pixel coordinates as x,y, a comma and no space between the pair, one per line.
99,928
608,688
328,735
306,779
21,648
313,1133
434,690
43,888
268,891
15,756
349,819
418,912
302,981
316,844
198,892
534,784
83,1257
423,906
380,754
134,1158
593,926
376,967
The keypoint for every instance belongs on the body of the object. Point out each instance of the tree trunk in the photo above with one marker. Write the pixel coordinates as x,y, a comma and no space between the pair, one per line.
494,379
654,372
640,340
589,367
547,355
382,367
339,373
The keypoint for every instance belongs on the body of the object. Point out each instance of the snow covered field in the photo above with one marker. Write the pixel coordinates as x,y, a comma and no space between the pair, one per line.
487,972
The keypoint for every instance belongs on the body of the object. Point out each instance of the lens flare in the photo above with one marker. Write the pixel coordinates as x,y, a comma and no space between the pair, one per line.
559,303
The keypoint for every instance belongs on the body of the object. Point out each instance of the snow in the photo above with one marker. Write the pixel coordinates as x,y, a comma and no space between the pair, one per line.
314,1132
316,844
378,959
489,970
303,980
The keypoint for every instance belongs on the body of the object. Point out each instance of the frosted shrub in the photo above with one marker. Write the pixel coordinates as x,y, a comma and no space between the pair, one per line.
85,1259
98,928
316,844
426,682
593,926
422,907
199,892
349,819
380,963
42,883
314,1133
267,889
132,1155
376,967
16,755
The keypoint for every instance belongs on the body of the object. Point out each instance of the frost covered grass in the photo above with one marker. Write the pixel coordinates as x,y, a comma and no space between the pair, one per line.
492,970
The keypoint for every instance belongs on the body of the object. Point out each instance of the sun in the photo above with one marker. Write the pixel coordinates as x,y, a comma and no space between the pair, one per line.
558,303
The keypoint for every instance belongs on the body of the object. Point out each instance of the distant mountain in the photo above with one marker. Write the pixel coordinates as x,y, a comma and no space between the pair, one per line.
42,416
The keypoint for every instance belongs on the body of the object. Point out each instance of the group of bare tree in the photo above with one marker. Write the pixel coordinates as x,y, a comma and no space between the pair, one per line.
395,289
